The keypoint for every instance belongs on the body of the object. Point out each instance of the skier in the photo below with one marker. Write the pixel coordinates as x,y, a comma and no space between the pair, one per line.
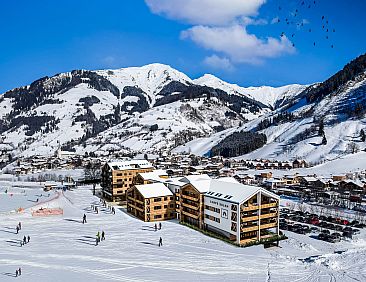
20,271
98,237
24,240
20,225
159,225
16,273
96,209
160,242
17,228
28,239
84,218
156,227
103,236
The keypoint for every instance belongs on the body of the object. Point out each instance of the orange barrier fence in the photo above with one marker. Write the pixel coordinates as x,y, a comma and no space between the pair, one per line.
47,212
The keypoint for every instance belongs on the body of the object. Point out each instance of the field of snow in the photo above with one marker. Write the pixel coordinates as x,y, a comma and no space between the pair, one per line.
63,249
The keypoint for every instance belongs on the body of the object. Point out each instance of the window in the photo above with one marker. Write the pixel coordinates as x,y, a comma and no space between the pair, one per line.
165,206
171,206
157,200
129,179
119,174
165,198
157,216
157,208
218,195
233,226
119,180
126,185
234,207
171,198
228,197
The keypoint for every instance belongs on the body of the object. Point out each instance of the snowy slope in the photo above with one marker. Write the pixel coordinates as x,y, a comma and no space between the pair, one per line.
63,249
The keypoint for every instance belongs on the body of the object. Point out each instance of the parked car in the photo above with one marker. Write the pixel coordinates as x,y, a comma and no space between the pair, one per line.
338,228
314,229
322,236
326,231
306,229
347,234
333,239
355,231
314,221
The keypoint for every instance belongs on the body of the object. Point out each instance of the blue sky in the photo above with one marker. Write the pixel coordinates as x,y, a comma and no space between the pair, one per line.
43,37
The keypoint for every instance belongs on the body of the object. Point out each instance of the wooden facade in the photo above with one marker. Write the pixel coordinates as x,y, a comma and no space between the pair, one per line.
257,215
115,182
150,209
191,206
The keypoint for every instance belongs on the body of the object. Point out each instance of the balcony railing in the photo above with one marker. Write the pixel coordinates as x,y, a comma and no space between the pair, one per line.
269,225
190,197
196,208
250,218
269,215
251,228
250,208
270,205
190,214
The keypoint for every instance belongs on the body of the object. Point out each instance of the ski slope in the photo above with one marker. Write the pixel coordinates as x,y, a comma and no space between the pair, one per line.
63,249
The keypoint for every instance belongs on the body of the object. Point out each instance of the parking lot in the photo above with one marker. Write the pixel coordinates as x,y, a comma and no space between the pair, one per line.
326,228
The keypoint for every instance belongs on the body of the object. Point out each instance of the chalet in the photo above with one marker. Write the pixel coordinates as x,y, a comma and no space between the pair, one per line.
117,177
151,202
299,164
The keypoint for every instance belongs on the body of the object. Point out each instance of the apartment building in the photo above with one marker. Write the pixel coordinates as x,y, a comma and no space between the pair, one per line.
117,177
241,212
151,202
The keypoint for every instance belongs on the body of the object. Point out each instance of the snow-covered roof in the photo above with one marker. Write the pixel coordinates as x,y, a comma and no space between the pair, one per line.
131,164
190,178
154,175
234,192
153,190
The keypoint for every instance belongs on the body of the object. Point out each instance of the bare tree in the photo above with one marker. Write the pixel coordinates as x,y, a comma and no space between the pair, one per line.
92,173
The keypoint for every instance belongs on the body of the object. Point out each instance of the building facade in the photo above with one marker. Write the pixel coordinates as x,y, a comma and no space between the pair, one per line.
117,177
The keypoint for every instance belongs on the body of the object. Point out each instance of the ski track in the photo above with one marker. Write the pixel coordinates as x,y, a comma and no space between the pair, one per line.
63,249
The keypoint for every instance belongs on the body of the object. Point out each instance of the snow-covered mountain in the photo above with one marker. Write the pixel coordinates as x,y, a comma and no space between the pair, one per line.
324,122
270,96
156,107
137,108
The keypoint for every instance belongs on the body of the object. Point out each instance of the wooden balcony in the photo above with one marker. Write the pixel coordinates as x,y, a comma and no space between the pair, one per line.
135,207
269,215
271,205
251,228
135,200
250,208
269,225
190,215
249,218
196,208
190,198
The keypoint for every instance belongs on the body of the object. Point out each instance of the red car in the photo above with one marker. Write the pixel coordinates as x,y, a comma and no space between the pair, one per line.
314,221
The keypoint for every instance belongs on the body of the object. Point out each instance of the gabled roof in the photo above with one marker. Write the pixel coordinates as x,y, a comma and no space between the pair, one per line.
153,190
154,175
234,192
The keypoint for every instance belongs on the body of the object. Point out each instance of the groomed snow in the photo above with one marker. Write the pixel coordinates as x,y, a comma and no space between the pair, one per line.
63,249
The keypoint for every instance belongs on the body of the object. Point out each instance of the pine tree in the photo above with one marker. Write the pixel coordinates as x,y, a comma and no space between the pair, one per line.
324,141
321,128
362,135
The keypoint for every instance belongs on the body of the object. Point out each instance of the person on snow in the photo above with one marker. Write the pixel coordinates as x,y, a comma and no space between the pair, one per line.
103,236
16,273
96,209
19,271
113,210
159,225
28,239
84,218
98,237
20,225
24,240
156,227
17,229
160,242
